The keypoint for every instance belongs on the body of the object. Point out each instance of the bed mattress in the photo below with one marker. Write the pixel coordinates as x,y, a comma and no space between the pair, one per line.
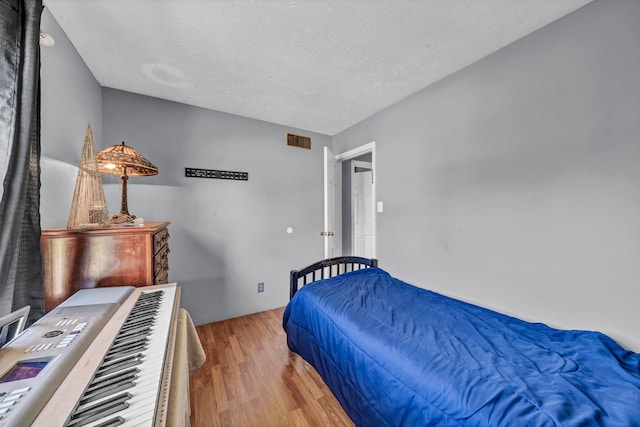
396,354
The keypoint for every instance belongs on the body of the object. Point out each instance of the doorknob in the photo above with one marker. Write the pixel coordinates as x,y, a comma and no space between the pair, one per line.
327,233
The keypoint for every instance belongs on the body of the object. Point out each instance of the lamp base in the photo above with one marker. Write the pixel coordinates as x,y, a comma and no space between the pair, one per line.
122,218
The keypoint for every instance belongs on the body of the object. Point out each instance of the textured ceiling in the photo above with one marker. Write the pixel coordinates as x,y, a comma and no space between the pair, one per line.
318,65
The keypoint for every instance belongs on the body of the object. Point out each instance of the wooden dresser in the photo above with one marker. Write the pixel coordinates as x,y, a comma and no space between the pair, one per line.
97,257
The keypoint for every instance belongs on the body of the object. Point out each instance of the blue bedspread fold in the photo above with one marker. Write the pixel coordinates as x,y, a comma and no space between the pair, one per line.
395,354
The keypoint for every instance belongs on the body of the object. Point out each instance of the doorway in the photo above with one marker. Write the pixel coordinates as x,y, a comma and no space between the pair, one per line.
349,204
361,221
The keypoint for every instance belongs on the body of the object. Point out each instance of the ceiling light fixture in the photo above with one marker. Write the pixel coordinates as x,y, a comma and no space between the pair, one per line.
46,40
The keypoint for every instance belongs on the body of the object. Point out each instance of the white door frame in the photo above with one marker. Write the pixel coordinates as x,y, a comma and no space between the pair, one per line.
356,152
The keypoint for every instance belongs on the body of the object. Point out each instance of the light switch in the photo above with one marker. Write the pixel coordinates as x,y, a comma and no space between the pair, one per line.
379,207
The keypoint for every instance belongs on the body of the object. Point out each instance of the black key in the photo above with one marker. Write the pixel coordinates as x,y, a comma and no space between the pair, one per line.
117,421
105,391
99,410
115,366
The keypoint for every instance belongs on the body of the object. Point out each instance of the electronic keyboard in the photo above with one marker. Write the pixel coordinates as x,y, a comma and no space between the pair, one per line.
101,358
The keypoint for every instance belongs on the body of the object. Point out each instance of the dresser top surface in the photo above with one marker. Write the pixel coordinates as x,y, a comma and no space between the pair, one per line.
147,227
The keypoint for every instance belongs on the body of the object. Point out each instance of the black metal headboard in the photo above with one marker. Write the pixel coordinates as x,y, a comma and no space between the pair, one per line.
328,268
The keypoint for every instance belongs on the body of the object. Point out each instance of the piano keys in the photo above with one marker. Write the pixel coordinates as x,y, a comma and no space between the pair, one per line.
126,386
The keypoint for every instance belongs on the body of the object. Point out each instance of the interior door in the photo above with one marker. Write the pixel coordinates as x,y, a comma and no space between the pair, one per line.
331,208
362,209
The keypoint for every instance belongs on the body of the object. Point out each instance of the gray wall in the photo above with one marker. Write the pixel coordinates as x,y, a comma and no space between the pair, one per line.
514,182
226,236
71,98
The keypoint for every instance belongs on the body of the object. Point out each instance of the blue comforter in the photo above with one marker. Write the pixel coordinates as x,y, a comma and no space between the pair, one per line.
395,354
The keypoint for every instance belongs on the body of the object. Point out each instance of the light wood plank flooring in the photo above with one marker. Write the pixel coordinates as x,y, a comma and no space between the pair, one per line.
250,378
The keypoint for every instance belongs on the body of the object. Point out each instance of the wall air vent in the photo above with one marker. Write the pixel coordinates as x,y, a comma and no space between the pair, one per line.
298,141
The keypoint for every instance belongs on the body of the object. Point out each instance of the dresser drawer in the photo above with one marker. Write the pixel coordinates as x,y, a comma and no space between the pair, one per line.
162,278
160,239
161,266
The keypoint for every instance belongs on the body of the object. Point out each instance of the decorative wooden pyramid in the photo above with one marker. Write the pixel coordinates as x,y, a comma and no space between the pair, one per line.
89,207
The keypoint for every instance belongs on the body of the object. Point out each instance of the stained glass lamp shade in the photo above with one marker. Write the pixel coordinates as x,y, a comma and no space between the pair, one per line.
124,161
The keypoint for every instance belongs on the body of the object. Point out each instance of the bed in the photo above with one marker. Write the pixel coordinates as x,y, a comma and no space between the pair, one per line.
395,354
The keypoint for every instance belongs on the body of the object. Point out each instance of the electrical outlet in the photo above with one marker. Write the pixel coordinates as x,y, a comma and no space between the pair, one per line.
261,287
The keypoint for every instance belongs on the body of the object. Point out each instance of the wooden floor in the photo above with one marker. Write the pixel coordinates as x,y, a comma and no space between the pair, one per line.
250,378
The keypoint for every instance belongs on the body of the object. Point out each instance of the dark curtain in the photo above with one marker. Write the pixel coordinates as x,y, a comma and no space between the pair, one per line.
20,259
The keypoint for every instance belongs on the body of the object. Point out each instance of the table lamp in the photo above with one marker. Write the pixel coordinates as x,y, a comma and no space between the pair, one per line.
124,161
